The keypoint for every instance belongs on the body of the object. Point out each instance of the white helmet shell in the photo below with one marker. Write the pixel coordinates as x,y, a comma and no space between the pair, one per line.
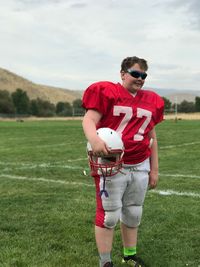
110,164
110,137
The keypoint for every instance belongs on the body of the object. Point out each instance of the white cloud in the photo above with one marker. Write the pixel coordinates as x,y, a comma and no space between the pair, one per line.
73,43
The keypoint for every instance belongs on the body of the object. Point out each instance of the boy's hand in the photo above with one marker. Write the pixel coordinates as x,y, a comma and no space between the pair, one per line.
153,179
99,147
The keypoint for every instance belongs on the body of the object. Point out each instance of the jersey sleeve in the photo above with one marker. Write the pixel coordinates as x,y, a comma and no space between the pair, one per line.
159,109
94,97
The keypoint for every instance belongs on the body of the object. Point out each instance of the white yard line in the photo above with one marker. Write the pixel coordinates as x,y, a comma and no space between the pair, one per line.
180,145
172,192
42,164
80,159
61,164
180,175
47,166
41,179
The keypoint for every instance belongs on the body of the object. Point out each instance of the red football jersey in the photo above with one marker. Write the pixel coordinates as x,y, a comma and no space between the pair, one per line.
131,116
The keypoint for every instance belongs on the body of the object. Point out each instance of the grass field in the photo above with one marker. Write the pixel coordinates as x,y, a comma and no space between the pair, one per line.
47,205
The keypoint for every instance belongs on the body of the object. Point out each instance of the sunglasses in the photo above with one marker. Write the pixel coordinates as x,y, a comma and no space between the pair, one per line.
137,74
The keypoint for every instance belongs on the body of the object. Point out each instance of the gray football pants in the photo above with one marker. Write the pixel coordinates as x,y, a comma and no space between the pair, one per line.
126,194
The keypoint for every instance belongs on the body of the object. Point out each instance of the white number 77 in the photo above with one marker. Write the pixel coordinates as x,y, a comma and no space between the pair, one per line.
128,115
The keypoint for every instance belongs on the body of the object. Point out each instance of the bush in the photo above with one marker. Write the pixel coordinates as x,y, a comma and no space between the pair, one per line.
6,103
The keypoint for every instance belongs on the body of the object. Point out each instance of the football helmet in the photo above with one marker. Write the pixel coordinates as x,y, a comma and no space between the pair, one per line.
111,164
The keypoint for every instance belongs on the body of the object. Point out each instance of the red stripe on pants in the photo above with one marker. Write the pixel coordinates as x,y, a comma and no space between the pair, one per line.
100,212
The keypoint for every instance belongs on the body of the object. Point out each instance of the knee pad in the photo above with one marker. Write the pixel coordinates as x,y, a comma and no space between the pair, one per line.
111,218
131,215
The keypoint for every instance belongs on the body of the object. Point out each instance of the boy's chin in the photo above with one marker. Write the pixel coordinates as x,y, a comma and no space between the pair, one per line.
134,89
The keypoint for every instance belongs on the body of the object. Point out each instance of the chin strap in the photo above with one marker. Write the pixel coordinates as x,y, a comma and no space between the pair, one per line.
103,191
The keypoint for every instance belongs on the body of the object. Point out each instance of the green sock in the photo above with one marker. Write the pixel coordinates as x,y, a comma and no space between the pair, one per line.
129,251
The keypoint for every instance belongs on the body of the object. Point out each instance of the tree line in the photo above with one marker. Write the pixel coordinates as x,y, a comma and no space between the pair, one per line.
18,103
183,107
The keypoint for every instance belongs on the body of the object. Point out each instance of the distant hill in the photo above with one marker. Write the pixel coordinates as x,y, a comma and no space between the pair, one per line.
10,81
177,95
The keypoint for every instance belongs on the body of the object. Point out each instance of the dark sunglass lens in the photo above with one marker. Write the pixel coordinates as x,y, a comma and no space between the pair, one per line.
143,76
135,74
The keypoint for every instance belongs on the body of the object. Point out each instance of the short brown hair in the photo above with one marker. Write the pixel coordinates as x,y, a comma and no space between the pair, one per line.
128,62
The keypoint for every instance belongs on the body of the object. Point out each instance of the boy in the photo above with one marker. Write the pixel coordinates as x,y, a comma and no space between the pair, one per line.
133,113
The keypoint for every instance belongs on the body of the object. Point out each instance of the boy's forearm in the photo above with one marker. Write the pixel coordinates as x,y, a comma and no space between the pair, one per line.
89,128
89,123
154,151
154,156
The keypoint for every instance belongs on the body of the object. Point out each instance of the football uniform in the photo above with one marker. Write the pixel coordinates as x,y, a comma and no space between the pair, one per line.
132,116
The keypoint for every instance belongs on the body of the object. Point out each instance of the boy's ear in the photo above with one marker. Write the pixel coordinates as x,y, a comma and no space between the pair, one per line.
122,74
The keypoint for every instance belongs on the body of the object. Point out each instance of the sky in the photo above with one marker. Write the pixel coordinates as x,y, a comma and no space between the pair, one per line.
73,43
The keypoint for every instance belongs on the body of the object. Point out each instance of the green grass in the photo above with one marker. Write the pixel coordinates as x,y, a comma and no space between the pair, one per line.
47,205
